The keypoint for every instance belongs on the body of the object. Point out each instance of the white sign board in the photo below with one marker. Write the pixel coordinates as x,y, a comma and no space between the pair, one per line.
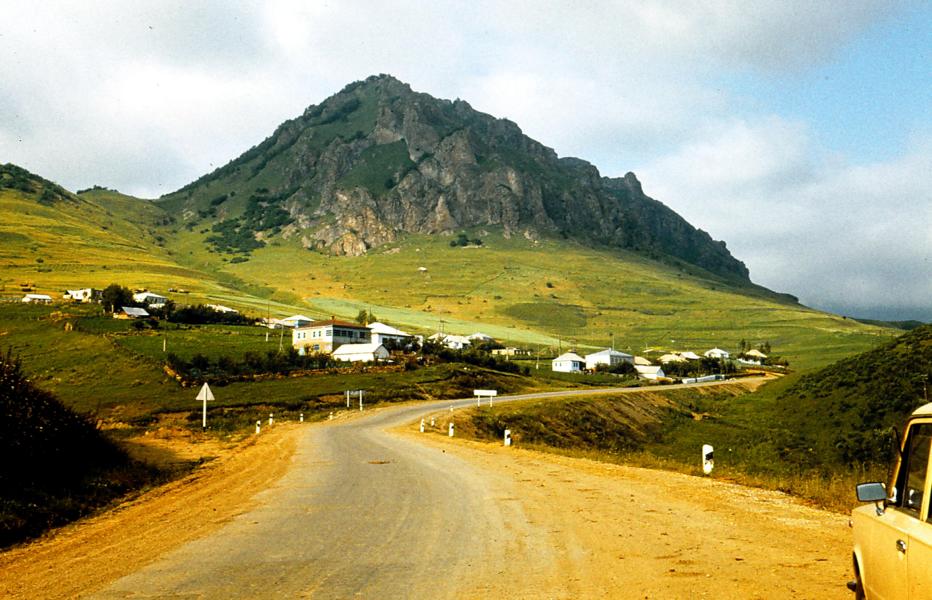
485,393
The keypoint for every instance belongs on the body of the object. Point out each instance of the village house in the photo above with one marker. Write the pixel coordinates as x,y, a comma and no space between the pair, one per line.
37,299
690,355
480,338
640,360
389,336
149,299
568,362
82,295
453,342
327,336
361,352
716,353
510,351
222,309
293,322
607,357
755,354
649,372
672,357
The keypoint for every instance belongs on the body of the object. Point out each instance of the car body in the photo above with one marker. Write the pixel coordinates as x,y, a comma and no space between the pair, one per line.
893,537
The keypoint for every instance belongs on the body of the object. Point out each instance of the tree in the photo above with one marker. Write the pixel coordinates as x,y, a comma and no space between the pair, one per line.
364,317
115,295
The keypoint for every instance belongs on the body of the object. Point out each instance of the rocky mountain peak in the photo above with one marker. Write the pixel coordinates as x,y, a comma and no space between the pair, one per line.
378,160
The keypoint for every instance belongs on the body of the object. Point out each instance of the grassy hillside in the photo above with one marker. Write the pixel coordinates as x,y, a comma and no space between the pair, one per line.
57,466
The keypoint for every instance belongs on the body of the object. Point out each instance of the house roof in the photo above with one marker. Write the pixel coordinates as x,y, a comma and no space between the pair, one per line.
134,311
480,336
608,352
716,351
690,355
569,356
357,349
647,369
672,358
640,360
297,318
387,329
39,296
755,353
334,322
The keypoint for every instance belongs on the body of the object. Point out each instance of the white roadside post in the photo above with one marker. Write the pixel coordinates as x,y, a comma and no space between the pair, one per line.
507,437
205,394
360,399
347,398
331,415
432,422
707,459
270,419
301,418
451,429
422,425
258,427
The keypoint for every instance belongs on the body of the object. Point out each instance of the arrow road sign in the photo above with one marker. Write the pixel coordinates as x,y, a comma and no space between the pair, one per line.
205,394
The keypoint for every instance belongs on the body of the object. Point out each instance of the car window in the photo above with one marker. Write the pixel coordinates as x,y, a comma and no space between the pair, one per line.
912,478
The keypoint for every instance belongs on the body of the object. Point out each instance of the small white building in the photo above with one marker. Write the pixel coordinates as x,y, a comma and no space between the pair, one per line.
81,295
755,354
568,362
361,352
149,299
386,334
671,357
480,338
716,353
649,372
453,342
222,309
607,357
690,355
37,299
510,351
294,321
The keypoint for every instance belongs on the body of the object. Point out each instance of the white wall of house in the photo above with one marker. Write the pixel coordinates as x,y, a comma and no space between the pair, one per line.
568,363
361,352
607,357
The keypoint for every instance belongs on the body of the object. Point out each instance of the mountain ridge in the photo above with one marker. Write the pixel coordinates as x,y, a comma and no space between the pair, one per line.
378,160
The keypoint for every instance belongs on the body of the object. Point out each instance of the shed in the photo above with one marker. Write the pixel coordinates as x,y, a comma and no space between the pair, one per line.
361,352
37,299
649,372
130,312
716,353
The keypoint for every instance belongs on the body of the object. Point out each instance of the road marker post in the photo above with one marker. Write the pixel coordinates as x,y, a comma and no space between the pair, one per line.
432,422
347,398
451,429
301,418
258,427
507,437
708,459
331,415
422,425
360,399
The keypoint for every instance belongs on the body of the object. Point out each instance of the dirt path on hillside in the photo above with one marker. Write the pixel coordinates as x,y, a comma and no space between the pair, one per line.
86,555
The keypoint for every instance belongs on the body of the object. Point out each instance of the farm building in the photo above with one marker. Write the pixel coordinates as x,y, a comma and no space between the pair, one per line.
672,357
453,342
223,309
388,335
361,352
690,355
510,351
607,357
716,353
149,299
130,312
327,336
37,299
755,354
649,372
568,362
82,295
640,360
294,321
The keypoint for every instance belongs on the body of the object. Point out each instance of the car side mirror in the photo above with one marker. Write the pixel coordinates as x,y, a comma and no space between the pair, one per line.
872,492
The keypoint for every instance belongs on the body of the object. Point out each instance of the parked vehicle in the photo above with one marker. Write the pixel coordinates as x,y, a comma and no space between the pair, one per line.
893,538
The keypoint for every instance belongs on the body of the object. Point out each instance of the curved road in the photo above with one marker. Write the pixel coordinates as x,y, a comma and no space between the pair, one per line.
366,513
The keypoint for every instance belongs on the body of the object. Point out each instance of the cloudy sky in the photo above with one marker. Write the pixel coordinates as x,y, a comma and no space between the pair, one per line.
799,132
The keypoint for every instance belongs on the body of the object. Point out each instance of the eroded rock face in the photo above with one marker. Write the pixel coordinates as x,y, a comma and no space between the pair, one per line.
377,160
